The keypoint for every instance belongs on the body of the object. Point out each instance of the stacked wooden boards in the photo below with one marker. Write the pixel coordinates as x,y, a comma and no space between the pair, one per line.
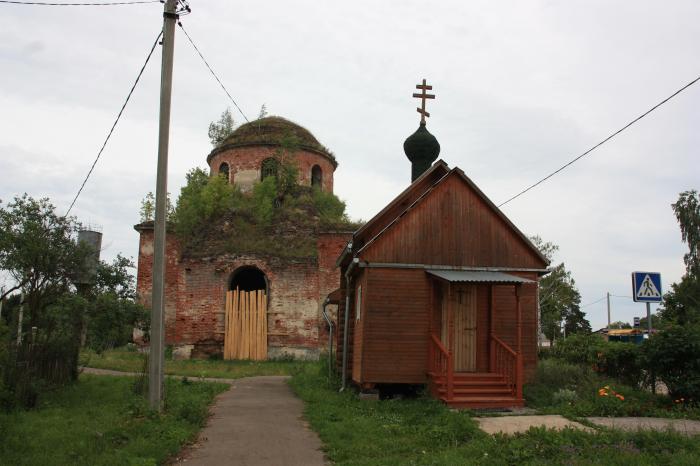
246,325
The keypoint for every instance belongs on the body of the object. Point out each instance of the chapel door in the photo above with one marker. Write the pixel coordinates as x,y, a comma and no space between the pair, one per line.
463,300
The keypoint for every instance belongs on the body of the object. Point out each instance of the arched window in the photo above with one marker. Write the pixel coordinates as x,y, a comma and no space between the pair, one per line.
223,170
316,177
268,168
248,278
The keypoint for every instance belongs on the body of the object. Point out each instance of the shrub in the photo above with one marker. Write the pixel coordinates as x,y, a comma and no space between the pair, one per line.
579,349
674,356
622,361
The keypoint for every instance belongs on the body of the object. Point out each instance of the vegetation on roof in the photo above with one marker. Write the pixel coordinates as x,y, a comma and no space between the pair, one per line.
266,130
279,218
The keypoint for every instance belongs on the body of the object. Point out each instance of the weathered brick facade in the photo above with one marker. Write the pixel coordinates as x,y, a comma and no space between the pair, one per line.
196,287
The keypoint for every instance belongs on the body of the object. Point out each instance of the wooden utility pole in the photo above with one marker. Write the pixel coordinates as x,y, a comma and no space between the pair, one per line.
608,310
157,351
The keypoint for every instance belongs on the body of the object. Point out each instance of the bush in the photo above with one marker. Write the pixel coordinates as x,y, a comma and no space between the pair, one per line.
674,356
622,361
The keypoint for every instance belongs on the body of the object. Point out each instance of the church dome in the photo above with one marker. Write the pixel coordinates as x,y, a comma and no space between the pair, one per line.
422,149
271,131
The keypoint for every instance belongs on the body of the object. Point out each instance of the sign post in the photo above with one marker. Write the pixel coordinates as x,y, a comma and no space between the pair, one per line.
646,288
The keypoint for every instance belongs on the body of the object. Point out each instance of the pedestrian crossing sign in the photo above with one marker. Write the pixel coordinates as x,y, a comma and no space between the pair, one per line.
646,287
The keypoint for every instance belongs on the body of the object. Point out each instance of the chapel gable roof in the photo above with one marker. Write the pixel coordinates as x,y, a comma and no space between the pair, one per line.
415,194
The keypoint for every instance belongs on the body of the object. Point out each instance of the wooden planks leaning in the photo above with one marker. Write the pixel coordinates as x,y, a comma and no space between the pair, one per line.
245,334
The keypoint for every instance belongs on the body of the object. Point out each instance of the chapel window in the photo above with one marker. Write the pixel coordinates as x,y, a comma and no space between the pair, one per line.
268,168
224,170
316,177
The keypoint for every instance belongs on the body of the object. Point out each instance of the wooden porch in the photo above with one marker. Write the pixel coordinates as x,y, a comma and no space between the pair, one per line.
453,374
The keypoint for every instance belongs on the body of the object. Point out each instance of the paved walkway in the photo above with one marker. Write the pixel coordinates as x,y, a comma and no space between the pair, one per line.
518,424
683,426
94,371
257,422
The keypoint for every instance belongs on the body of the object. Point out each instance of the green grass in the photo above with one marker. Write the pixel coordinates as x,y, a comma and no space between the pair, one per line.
99,420
422,431
132,361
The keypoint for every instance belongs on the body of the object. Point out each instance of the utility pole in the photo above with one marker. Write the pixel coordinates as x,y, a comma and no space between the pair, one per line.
157,351
20,318
2,292
608,310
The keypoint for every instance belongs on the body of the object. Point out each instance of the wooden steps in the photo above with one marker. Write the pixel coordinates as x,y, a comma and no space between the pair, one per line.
475,390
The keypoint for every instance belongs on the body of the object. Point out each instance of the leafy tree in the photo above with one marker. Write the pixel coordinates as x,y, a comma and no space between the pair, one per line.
220,130
619,325
202,199
681,304
263,112
687,210
114,313
148,208
38,250
560,300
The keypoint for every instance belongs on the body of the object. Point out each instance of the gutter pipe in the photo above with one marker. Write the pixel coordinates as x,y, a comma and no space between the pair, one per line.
330,338
348,281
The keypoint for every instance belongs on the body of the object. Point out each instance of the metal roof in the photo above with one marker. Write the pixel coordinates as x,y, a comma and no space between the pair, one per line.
477,276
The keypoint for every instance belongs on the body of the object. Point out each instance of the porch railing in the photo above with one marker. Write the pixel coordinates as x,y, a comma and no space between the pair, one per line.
507,362
440,364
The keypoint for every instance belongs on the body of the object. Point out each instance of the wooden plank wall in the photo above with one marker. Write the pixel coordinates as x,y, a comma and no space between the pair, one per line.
452,226
246,325
358,325
397,304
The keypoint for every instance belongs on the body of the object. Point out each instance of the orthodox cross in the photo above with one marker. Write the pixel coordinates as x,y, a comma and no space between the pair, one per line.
423,96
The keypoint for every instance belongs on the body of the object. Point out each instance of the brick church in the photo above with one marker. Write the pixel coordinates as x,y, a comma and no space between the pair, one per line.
200,319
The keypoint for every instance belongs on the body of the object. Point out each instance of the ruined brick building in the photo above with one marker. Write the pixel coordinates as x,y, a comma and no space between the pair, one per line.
295,285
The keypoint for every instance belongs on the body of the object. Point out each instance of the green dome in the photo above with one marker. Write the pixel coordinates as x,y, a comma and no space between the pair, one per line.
271,131
422,149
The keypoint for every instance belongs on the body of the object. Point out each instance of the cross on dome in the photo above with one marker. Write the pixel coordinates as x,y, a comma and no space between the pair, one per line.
423,96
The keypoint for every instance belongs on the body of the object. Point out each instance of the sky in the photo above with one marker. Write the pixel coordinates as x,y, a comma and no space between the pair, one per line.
522,88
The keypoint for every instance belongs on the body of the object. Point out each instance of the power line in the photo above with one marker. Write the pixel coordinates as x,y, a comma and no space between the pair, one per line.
603,141
153,47
212,72
594,302
79,4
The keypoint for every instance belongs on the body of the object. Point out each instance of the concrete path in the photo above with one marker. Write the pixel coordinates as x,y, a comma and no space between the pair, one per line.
683,426
94,371
257,422
518,424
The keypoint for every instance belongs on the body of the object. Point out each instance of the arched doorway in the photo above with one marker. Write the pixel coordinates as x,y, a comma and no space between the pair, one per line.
248,278
245,330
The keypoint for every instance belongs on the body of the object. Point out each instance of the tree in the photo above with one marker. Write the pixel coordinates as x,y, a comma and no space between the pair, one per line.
38,250
560,301
619,325
114,313
687,210
681,304
148,208
263,112
220,130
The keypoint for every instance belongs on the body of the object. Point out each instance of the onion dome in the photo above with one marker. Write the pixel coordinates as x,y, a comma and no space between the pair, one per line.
422,149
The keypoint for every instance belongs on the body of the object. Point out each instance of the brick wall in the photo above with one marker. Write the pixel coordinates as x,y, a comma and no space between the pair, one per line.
196,290
244,165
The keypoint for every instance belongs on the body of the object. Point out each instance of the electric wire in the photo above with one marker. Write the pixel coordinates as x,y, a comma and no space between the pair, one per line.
594,302
603,141
212,71
80,4
131,91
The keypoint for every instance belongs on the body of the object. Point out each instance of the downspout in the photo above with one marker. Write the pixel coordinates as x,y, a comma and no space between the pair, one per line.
330,338
348,280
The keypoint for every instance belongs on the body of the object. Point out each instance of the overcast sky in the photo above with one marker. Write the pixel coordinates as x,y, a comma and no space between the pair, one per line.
522,87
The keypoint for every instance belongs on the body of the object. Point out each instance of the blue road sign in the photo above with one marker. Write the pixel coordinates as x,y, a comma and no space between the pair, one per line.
646,287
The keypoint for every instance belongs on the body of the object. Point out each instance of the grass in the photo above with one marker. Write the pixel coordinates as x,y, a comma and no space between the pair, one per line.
101,421
122,359
422,431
